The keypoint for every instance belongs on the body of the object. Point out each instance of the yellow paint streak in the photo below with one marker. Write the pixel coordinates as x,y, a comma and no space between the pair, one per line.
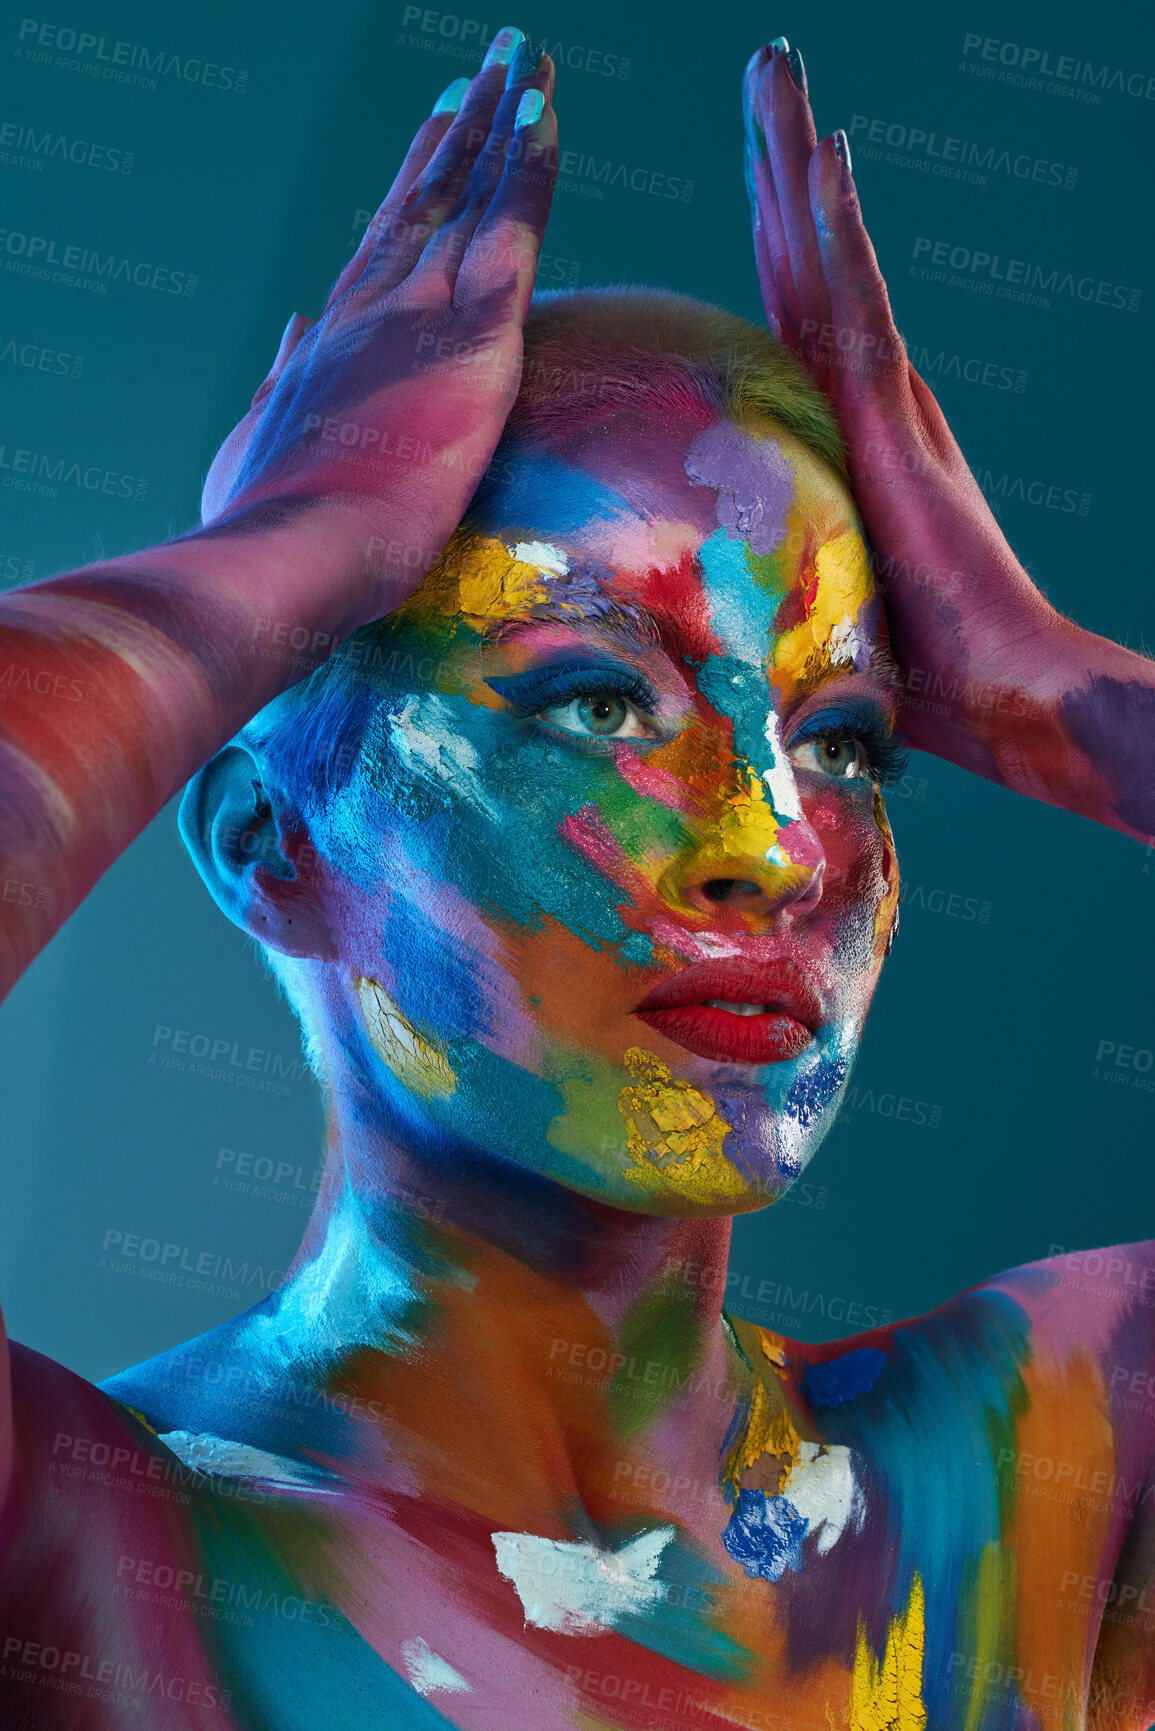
749,827
843,585
769,1429
888,1696
674,1135
478,577
419,1064
886,912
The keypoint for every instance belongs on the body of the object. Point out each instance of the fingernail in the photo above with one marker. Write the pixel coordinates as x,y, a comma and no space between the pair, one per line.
451,97
529,109
525,62
758,60
797,70
779,45
501,50
842,149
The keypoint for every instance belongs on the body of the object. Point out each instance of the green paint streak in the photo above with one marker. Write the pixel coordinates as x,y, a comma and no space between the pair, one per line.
659,1336
645,829
768,572
986,1600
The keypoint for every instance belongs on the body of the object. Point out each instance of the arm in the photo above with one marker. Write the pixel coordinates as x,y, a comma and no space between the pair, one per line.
997,681
324,509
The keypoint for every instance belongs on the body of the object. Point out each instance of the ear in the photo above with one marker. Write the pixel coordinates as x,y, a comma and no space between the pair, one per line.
259,864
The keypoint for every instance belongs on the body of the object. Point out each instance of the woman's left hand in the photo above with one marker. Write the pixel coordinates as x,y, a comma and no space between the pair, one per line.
996,680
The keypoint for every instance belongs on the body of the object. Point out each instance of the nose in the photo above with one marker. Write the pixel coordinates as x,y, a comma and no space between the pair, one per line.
749,863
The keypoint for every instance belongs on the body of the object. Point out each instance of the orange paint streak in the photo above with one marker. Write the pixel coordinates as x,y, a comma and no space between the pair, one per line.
1065,1423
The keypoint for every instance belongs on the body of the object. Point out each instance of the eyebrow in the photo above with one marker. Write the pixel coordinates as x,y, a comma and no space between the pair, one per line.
882,670
686,640
641,629
635,625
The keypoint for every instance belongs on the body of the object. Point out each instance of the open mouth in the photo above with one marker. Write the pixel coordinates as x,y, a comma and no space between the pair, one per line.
736,1011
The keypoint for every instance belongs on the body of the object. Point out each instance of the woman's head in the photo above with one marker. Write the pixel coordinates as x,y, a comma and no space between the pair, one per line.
615,763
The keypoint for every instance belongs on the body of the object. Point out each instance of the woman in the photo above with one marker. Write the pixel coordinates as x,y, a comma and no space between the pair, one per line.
573,859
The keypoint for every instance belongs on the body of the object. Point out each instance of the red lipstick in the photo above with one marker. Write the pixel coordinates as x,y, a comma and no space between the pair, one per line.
782,1010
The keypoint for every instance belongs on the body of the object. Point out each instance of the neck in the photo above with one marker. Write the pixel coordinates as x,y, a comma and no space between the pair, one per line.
521,1342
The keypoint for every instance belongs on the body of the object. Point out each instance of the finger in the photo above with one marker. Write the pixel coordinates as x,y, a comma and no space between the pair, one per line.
429,136
502,259
517,165
867,338
293,332
790,139
407,228
770,252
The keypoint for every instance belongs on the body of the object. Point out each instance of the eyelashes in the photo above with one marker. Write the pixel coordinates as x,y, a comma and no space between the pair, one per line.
546,687
541,688
886,754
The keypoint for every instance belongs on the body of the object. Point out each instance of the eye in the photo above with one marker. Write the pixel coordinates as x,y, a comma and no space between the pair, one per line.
598,715
846,758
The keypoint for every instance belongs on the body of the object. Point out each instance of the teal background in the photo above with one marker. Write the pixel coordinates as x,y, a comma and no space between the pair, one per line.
990,1023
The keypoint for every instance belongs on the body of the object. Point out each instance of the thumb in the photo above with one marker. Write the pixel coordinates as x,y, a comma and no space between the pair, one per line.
293,332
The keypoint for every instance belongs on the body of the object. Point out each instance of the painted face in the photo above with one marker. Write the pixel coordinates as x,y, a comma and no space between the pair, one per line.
613,880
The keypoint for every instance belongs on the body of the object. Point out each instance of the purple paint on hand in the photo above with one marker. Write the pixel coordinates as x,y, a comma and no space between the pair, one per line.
754,481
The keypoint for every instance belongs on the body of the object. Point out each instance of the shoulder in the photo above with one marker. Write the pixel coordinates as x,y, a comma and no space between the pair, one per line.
1063,1348
66,1430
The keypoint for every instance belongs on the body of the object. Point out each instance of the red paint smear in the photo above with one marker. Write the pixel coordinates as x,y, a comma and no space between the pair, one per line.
673,595
808,571
586,833
651,782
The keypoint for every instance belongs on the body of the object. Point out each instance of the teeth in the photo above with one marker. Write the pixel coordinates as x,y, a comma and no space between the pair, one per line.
737,1009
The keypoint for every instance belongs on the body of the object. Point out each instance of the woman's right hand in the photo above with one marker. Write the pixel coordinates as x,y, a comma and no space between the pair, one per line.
384,414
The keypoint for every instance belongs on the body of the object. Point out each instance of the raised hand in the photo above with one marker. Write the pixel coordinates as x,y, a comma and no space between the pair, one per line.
386,411
324,509
997,681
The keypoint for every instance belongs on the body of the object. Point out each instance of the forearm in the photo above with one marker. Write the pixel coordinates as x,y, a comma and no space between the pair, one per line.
119,680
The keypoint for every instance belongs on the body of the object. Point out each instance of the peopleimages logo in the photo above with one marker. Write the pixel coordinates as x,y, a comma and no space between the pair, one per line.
120,62
954,158
1031,66
25,147
40,256
1018,279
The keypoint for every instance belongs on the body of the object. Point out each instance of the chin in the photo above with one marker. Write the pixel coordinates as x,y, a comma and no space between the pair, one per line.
709,1138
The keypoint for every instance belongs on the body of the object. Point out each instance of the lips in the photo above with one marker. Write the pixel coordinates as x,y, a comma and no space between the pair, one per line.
790,1011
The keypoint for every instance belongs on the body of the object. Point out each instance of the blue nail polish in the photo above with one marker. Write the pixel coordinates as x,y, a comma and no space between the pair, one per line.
842,149
525,62
451,97
779,45
529,109
797,70
503,47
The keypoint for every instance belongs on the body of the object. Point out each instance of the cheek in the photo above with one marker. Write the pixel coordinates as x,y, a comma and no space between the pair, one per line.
861,878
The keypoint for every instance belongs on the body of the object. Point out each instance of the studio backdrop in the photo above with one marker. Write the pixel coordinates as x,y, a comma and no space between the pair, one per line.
178,180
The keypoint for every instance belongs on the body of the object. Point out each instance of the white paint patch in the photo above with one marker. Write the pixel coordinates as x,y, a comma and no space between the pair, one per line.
844,644
233,1460
425,739
548,559
779,778
428,1671
576,1588
822,1487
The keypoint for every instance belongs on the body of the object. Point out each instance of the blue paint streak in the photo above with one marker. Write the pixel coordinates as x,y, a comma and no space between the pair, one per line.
840,1380
545,496
765,1535
953,1395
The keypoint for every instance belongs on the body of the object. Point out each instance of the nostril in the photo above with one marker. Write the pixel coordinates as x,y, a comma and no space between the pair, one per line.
721,889
718,889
